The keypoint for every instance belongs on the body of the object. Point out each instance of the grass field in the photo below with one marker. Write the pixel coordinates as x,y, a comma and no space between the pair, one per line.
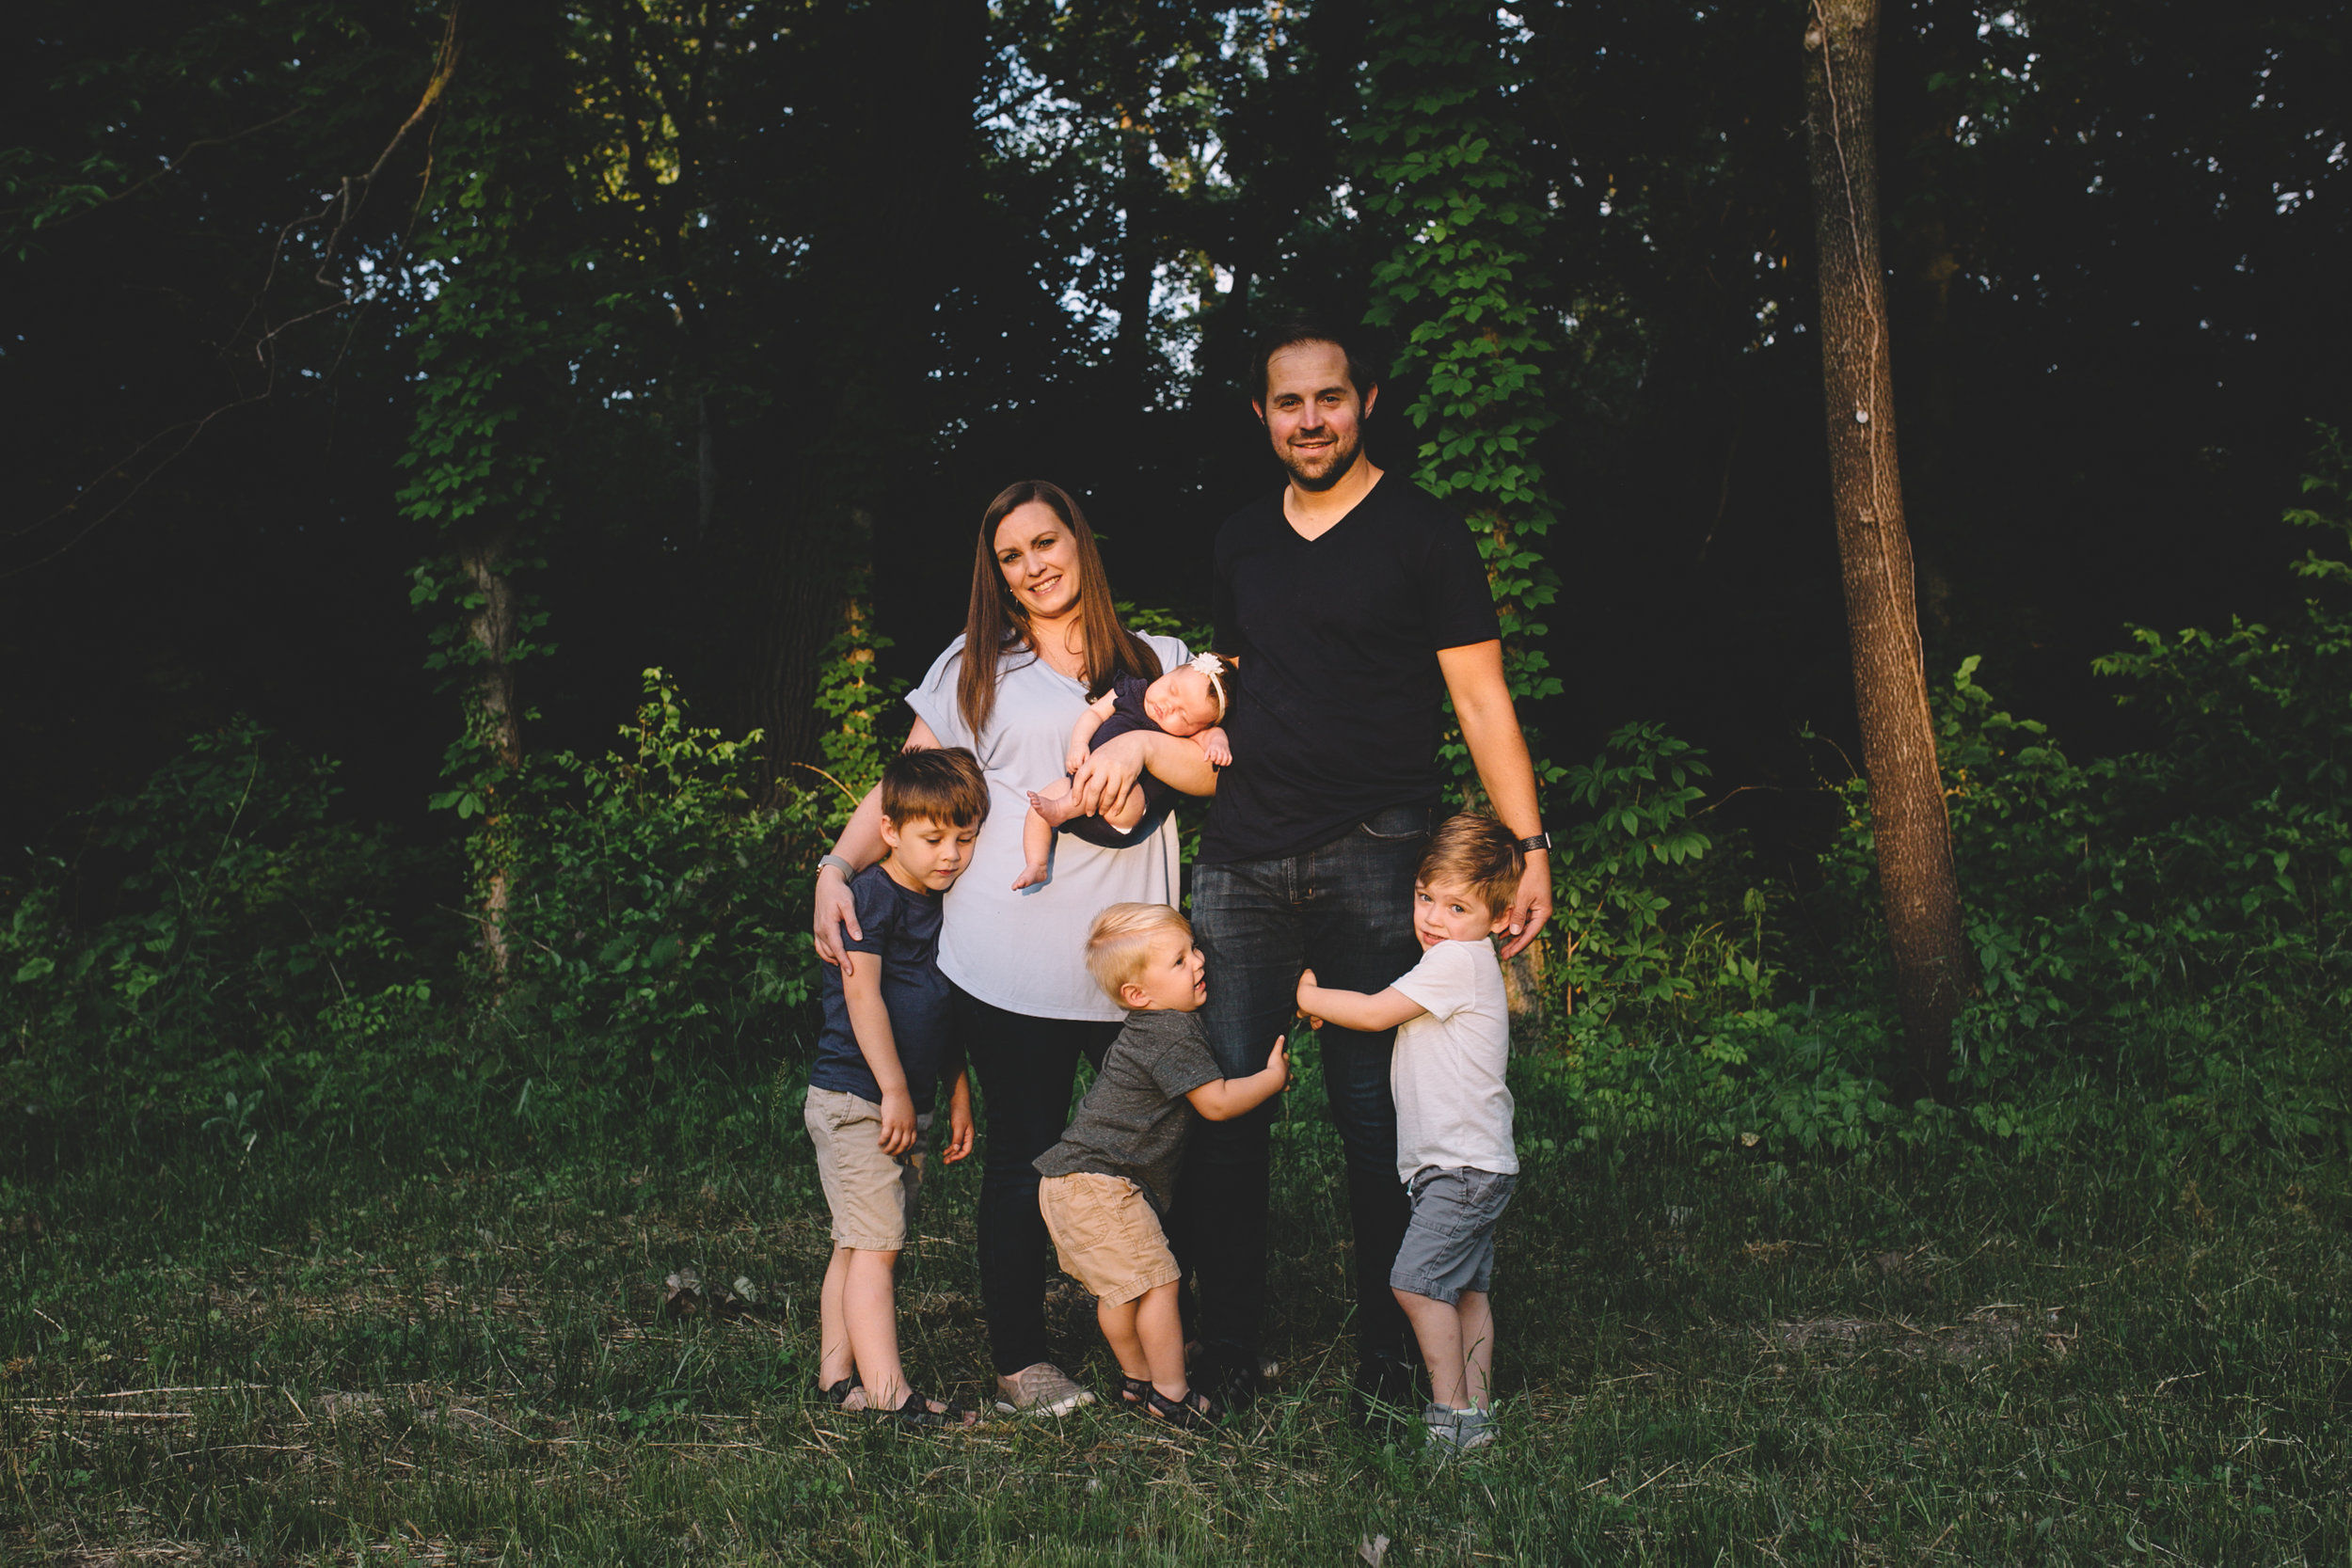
315,1354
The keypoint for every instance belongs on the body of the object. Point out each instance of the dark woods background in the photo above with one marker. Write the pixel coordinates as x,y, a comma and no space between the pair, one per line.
403,381
799,285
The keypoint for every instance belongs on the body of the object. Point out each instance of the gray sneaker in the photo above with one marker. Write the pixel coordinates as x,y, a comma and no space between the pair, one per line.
1473,1428
1443,1424
1042,1389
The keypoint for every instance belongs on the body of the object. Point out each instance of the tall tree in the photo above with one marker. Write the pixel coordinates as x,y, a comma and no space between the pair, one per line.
1935,971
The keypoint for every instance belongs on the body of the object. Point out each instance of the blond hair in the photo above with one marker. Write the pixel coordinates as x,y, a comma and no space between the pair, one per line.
1119,944
1474,851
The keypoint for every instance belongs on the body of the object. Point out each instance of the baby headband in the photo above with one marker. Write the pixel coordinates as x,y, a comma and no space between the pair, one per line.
1213,669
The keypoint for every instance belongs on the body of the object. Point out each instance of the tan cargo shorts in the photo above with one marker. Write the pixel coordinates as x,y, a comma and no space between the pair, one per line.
1107,1235
871,1194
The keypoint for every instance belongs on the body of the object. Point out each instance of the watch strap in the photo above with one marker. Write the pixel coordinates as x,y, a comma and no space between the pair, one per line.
839,863
1539,841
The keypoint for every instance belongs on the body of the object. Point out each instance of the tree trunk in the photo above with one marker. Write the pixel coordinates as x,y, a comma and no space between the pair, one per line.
1935,971
493,633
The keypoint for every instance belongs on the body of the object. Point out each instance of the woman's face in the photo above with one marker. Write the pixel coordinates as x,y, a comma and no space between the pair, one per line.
1039,560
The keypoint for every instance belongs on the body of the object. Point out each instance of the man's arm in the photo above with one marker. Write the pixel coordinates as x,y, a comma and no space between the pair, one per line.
1490,728
869,1021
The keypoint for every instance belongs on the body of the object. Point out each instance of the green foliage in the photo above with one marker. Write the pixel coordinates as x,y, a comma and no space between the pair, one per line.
658,922
241,945
1440,167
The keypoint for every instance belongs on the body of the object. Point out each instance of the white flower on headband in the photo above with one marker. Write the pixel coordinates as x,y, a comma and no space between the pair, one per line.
1212,669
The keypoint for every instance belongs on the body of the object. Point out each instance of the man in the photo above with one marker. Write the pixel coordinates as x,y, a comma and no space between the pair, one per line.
1355,602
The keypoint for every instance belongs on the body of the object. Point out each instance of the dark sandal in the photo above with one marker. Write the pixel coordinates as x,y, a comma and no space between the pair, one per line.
918,1414
1195,1411
1131,1391
838,1394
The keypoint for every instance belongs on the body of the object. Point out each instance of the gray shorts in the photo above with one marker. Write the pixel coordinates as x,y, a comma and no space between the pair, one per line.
1450,1245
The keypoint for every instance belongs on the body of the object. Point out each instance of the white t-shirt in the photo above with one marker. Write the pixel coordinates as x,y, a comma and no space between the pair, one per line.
1025,952
1453,1109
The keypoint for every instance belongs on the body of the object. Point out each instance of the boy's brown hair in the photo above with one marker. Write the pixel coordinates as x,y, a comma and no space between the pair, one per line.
939,784
1119,944
1477,852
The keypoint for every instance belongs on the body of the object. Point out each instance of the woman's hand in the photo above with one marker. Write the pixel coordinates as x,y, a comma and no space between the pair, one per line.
1109,773
836,912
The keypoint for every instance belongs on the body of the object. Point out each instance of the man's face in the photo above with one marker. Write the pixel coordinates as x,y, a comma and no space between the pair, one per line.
1313,415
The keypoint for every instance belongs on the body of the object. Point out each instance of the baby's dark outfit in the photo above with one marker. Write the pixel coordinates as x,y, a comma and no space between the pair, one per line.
1158,798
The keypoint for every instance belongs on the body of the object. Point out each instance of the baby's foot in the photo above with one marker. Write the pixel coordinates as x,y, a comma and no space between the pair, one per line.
1056,809
1033,875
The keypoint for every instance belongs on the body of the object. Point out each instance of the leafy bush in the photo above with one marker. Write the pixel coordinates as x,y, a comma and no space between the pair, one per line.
246,950
657,922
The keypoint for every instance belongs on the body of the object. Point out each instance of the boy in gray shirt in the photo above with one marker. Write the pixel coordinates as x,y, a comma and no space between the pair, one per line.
1109,1180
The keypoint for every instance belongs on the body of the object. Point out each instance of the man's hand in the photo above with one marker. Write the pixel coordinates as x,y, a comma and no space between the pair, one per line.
835,910
959,1121
897,1122
1531,906
1214,746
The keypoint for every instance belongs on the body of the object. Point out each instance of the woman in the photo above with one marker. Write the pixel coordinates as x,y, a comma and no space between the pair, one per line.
1027,1008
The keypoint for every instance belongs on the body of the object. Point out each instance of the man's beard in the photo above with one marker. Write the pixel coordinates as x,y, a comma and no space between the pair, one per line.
1344,458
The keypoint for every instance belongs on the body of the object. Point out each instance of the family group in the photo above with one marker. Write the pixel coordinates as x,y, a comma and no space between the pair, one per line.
1006,902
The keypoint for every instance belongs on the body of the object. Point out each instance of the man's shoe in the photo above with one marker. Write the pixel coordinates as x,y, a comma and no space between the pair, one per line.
1386,1389
1041,1389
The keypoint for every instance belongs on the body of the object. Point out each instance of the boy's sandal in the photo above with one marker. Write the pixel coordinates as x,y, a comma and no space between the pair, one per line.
1195,1411
917,1413
1132,1392
839,1393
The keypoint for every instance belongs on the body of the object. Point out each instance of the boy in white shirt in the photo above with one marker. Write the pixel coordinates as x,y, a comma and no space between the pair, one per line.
1453,1147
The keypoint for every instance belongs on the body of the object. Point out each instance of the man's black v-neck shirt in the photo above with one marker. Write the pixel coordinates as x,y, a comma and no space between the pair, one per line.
1342,702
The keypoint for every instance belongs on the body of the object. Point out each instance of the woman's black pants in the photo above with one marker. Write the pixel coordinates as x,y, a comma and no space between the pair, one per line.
1023,1068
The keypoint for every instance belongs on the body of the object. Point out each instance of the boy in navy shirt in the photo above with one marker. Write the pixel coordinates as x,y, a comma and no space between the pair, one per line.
885,1045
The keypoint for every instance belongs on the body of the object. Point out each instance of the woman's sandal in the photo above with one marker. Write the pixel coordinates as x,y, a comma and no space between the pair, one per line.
917,1413
1195,1411
839,1393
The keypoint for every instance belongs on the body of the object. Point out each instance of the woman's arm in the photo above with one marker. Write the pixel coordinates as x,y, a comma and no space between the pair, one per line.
1353,1010
1112,768
861,845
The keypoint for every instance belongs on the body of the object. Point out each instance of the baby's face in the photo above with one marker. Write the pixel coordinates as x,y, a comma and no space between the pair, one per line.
1181,702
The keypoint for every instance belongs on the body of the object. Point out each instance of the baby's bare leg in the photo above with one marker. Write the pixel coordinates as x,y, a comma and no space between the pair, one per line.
1054,804
1036,843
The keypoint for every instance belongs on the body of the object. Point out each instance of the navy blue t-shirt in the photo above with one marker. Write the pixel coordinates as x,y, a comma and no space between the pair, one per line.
902,935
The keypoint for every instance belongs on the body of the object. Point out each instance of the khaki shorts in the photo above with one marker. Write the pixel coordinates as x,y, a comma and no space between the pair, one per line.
1107,1235
871,1194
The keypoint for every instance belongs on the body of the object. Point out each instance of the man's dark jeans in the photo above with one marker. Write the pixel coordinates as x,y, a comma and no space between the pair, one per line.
1024,1069
1346,911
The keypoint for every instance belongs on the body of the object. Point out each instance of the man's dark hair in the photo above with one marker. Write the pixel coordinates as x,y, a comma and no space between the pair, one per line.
1290,334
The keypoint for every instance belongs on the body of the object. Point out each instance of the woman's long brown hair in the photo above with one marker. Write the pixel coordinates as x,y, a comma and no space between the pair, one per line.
999,623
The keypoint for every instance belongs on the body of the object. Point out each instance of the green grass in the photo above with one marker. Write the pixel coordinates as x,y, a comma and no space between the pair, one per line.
328,1354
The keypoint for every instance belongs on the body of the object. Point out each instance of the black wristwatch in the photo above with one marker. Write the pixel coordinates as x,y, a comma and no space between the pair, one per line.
1529,846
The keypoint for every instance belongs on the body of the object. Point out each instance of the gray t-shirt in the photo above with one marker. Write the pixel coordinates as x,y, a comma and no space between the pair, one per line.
1133,1121
1025,952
